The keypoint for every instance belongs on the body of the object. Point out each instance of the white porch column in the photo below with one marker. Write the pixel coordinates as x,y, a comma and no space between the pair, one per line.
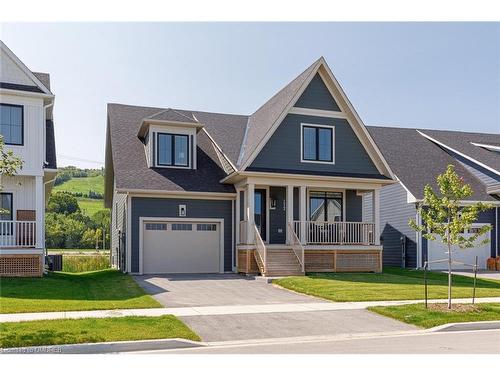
289,212
376,215
39,204
237,221
250,212
302,214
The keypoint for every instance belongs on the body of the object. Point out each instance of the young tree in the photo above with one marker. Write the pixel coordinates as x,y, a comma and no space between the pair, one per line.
9,164
445,217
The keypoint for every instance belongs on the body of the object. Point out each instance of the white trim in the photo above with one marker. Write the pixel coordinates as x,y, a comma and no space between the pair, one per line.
328,190
4,91
191,151
458,152
24,68
410,198
143,219
129,233
489,147
176,194
22,251
220,149
233,235
308,125
316,112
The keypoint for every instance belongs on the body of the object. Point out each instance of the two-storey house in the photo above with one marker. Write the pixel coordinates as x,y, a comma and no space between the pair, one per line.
27,127
278,192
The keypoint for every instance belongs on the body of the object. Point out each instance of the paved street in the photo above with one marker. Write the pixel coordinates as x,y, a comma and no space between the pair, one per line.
469,342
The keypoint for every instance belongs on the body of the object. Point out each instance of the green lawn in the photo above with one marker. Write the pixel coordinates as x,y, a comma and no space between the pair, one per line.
82,185
90,206
108,289
74,331
392,284
420,316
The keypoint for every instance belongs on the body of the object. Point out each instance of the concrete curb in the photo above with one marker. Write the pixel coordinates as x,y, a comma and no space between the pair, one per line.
467,326
106,347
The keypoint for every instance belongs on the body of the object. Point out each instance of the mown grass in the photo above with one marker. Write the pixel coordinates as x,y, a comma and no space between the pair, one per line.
82,185
85,263
73,331
392,284
418,315
58,291
90,206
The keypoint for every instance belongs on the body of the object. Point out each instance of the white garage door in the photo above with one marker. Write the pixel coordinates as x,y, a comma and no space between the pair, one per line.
181,247
438,251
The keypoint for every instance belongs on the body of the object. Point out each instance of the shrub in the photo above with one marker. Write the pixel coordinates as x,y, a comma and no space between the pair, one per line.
85,263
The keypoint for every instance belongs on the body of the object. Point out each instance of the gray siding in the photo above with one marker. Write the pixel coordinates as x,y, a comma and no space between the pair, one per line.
283,150
395,213
354,206
317,96
169,207
277,216
368,208
118,225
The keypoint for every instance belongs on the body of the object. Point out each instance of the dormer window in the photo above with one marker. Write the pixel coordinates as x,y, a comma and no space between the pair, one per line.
172,150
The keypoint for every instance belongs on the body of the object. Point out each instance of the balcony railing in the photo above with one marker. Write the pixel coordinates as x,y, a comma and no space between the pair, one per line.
15,233
336,233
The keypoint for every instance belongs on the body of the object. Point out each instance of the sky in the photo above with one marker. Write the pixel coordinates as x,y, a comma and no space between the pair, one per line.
425,75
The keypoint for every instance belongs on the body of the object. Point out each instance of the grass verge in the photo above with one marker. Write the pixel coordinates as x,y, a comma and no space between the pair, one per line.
418,315
58,291
393,284
76,331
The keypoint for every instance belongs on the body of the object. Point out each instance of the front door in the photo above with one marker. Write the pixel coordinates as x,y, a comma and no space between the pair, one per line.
260,212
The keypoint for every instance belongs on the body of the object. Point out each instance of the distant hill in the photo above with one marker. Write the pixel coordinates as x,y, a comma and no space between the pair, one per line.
82,185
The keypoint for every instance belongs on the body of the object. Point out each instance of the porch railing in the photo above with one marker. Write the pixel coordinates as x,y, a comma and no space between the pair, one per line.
261,250
297,247
337,233
15,233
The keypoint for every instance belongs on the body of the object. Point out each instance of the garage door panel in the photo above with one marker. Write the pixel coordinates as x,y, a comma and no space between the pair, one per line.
439,251
182,248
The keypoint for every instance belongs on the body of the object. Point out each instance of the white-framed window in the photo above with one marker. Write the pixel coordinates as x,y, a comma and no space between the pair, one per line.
317,143
12,124
172,150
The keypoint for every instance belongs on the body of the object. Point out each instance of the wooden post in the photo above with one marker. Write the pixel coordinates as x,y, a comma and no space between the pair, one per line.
289,213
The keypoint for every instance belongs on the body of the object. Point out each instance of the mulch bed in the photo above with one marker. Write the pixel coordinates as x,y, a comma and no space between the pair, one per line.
455,307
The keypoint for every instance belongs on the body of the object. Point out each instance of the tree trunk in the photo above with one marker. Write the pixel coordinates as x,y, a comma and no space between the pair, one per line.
449,276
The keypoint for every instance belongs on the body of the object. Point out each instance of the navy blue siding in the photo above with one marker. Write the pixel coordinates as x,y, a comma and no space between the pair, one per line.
242,205
277,221
282,153
354,206
296,203
317,96
169,207
395,213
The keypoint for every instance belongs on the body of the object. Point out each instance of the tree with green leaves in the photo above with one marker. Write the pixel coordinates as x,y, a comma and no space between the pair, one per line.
9,164
446,218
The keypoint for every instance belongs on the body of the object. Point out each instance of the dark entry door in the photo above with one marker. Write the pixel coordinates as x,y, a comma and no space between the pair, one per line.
260,212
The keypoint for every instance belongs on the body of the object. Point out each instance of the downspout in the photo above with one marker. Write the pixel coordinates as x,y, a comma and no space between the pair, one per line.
45,108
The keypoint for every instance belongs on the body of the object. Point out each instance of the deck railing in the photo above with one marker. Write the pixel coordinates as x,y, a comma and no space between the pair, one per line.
297,247
337,233
15,233
260,248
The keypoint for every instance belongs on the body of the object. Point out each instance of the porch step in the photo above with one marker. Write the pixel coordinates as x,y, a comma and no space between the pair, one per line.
280,262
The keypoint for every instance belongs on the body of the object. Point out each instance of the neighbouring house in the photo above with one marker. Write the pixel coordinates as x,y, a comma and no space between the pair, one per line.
27,126
417,157
278,192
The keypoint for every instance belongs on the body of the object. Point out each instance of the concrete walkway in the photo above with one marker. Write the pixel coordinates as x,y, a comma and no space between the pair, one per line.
222,310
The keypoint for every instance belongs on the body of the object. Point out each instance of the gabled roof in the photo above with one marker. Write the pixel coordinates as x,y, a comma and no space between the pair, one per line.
172,115
262,120
417,160
33,77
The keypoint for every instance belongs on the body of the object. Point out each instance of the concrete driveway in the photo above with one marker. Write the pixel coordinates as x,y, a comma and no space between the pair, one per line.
231,290
216,290
492,275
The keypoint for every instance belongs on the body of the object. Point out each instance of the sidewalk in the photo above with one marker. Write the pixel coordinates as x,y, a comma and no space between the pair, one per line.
221,310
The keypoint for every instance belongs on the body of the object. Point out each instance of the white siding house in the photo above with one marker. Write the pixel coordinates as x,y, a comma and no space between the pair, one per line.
26,105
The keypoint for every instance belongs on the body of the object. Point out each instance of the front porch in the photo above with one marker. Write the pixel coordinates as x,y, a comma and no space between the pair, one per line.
290,230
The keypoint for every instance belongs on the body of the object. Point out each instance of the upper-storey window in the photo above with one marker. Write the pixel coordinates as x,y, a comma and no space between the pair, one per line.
317,143
172,150
11,123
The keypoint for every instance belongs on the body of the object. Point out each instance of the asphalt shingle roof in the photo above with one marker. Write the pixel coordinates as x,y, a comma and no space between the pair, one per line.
417,161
